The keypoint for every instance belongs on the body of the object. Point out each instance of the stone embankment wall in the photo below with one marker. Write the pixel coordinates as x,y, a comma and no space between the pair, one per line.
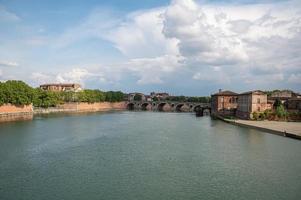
9,112
9,108
82,107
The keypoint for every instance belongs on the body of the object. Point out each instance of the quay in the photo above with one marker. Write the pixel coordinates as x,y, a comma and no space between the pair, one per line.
286,129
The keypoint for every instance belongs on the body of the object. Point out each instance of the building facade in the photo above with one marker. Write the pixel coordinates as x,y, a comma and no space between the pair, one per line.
160,96
249,102
224,103
58,87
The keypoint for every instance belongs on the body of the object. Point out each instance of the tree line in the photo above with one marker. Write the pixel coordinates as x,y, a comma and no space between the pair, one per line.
19,93
138,97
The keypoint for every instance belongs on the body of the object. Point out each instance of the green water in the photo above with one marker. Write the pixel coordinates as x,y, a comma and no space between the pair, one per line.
144,155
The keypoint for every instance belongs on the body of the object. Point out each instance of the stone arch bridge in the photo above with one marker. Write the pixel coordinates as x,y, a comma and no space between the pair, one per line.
170,106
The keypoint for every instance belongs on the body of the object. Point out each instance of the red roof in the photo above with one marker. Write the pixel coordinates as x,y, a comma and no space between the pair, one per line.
60,84
225,93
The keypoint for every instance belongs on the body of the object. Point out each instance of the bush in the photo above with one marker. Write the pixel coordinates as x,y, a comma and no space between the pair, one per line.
261,116
255,115
281,112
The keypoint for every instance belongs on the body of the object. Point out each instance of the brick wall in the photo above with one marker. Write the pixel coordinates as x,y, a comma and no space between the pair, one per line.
9,108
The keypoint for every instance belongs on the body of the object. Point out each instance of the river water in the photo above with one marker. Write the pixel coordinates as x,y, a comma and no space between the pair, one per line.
144,155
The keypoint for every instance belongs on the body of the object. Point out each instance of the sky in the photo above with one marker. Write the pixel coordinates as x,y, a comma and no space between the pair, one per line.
184,47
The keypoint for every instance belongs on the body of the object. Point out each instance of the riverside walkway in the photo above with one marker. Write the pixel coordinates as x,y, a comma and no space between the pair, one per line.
290,129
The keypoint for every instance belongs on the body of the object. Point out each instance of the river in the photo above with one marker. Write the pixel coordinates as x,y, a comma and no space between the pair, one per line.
144,155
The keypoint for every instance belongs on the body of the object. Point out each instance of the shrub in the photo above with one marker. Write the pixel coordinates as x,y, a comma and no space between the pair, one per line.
261,116
255,115
281,112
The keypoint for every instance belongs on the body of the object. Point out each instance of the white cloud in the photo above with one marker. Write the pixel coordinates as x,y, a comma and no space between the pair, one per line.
151,70
140,35
41,78
248,40
8,64
76,75
233,44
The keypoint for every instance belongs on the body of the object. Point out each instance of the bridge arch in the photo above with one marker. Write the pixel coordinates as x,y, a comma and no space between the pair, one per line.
130,106
178,107
206,111
146,106
200,110
163,106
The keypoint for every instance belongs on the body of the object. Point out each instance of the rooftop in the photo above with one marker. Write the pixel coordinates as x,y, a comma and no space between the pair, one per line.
225,93
253,92
60,84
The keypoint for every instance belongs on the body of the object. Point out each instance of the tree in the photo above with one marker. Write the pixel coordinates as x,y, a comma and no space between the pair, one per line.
277,103
137,97
45,99
281,112
155,98
16,92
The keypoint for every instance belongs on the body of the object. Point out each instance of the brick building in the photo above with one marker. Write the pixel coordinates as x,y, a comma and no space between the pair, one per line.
160,96
224,103
58,87
249,102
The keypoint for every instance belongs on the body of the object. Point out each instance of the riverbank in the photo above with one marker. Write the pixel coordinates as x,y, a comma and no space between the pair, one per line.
15,113
286,129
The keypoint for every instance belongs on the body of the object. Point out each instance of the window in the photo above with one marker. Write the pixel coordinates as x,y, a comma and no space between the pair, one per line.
258,109
258,100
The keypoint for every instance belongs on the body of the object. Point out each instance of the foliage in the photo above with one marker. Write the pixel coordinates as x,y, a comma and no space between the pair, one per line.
137,97
45,99
16,92
156,99
112,96
255,115
261,116
281,112
19,93
199,99
277,103
90,96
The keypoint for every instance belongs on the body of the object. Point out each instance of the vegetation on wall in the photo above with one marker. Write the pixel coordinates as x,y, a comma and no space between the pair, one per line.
189,99
19,93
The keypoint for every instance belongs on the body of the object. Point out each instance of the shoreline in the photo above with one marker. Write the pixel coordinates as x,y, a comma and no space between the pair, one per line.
285,129
17,115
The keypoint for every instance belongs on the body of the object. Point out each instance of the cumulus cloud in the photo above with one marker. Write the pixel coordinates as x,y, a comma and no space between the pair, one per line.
151,70
244,45
215,42
76,75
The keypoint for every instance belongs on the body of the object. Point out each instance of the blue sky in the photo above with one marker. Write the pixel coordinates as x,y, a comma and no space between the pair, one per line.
180,46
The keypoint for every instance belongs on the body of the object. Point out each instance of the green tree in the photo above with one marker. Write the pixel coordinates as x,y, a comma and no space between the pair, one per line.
281,112
155,98
45,99
137,97
16,92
